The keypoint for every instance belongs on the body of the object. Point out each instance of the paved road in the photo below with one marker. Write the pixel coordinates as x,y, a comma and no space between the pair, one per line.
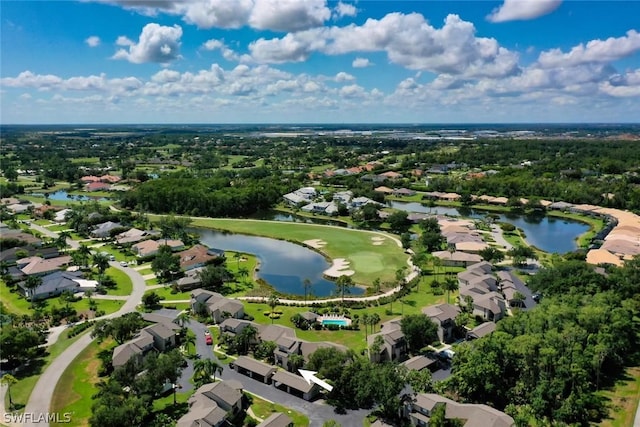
42,394
318,412
72,243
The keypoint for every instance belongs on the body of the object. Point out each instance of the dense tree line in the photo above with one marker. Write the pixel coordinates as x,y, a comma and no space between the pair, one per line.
217,195
549,362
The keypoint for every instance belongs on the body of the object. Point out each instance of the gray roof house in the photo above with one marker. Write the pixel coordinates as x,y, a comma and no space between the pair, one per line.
277,420
53,284
216,305
444,316
103,230
211,405
295,384
394,344
253,368
472,415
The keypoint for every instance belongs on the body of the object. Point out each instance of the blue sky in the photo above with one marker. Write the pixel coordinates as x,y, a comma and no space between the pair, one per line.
319,61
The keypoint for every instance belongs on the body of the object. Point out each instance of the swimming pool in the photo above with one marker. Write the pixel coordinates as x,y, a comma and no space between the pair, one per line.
341,322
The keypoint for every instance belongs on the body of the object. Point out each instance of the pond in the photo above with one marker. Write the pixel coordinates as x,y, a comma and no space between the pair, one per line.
66,197
284,265
545,233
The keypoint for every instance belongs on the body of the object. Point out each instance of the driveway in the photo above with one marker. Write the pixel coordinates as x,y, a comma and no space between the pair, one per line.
318,411
42,394
45,231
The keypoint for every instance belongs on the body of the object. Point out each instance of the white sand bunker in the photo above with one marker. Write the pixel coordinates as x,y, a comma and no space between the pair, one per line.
377,241
339,268
315,243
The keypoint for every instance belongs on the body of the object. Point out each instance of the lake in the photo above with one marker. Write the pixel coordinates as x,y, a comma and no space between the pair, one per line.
284,265
66,197
545,233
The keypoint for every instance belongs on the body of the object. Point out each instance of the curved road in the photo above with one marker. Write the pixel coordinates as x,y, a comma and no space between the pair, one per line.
42,394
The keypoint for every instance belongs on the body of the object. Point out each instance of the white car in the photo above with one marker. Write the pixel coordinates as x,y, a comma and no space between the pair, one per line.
124,264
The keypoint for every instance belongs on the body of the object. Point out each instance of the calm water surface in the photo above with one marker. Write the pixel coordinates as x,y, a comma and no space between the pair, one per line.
284,265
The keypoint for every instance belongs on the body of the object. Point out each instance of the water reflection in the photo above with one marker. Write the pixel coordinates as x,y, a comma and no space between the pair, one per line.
546,233
284,265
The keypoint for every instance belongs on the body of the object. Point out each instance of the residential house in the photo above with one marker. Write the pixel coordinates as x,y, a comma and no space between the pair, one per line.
97,186
277,420
390,175
158,336
471,247
53,284
148,248
419,412
295,385
490,306
216,305
190,280
253,368
457,259
213,404
196,256
358,202
90,178
391,345
10,256
234,326
418,363
104,230
134,235
61,216
403,192
384,190
28,239
38,266
444,316
481,330
286,346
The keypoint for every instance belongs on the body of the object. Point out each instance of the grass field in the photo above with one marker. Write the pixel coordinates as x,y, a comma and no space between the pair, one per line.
77,384
21,391
122,279
367,260
263,409
624,400
412,304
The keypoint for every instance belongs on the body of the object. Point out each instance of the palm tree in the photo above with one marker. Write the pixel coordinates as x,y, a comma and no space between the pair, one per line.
188,340
61,240
450,285
102,262
8,380
32,284
374,319
204,370
365,322
183,320
246,337
237,257
85,253
243,272
296,361
273,303
343,286
306,284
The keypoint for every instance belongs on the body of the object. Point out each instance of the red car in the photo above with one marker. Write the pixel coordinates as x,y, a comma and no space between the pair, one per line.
207,338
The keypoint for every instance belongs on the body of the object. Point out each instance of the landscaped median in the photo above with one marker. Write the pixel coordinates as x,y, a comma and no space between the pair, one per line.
371,255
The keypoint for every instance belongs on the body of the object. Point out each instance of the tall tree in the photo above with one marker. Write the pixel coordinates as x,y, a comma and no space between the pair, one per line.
306,284
450,285
343,286
205,370
8,381
273,303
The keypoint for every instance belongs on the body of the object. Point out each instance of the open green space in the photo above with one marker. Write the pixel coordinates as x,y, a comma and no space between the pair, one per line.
21,391
166,294
263,409
354,339
122,279
369,261
73,393
624,397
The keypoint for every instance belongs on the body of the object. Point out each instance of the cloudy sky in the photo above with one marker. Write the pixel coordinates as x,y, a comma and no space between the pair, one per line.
319,61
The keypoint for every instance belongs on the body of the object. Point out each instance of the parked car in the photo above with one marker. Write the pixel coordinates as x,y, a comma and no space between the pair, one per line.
124,264
208,340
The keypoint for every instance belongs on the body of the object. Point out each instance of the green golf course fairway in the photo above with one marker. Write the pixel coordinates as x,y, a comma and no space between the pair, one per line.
369,261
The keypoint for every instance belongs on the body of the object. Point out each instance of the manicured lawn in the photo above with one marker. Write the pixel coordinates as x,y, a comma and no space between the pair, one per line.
624,400
263,409
21,391
13,301
145,271
122,279
42,222
59,227
367,260
165,294
413,304
77,384
151,282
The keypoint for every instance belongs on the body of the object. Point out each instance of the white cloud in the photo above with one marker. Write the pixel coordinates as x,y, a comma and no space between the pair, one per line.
522,10
124,41
345,9
352,91
212,44
288,15
214,13
595,51
622,86
92,41
157,43
343,77
361,63
409,40
28,79
166,76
